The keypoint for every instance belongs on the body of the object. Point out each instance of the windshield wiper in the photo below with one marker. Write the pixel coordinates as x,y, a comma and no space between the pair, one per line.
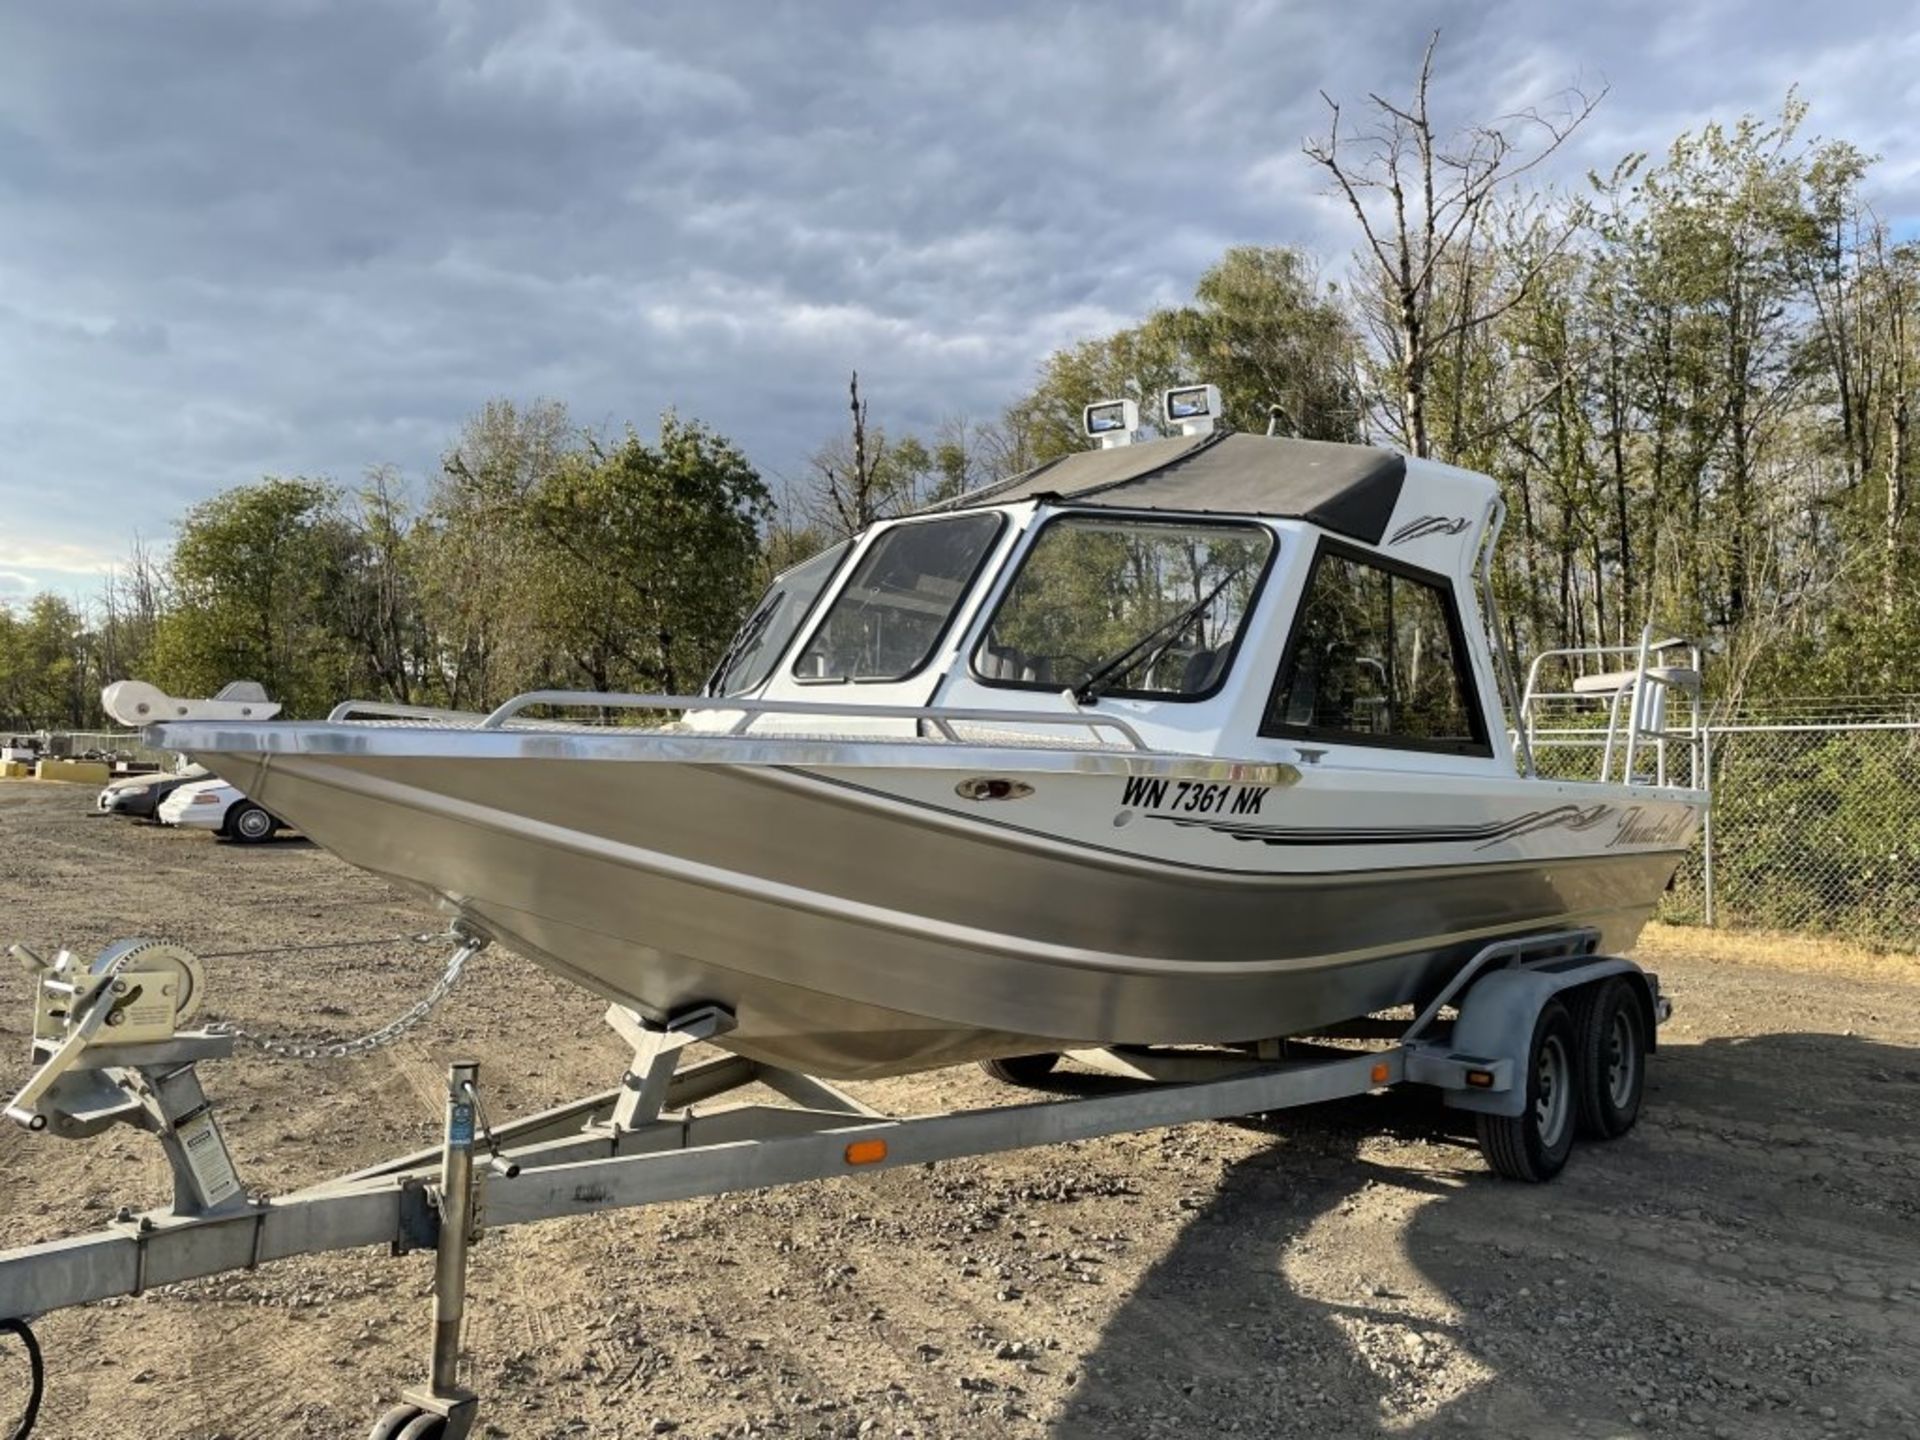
749,632
1099,680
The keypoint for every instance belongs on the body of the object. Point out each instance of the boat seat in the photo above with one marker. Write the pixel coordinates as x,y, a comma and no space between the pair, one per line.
1201,671
1612,682
1002,662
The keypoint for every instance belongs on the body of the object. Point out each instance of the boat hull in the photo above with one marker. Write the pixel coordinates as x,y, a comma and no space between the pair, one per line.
863,922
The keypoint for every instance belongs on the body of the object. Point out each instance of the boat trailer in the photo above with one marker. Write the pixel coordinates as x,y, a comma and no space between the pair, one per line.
1537,1034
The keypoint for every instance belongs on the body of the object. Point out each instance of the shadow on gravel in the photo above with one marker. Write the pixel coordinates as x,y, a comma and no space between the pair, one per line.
1560,1301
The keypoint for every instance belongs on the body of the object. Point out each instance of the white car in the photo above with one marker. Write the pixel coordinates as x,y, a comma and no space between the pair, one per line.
217,806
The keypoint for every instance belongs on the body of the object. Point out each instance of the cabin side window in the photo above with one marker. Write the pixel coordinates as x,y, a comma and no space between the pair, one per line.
1377,657
889,619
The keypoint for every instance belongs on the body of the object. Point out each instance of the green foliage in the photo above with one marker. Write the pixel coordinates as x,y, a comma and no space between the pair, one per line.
1267,331
46,678
541,559
1261,326
255,573
1814,833
652,552
478,569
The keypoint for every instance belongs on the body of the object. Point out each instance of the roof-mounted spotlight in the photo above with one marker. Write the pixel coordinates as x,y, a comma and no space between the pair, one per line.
1111,422
1194,408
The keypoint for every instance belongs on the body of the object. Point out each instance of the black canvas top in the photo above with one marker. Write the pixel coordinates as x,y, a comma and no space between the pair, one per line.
1348,489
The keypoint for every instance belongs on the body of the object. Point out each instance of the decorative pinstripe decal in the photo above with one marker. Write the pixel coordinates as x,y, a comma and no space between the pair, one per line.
1560,817
1428,525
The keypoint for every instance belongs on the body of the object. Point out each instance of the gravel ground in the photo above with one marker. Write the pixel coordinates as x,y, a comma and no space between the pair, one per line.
1746,1263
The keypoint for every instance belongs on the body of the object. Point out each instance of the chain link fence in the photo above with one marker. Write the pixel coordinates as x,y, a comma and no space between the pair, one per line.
1815,828
1815,822
124,745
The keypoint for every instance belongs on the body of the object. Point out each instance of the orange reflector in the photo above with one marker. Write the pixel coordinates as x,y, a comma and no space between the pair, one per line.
1480,1079
866,1152
1380,1073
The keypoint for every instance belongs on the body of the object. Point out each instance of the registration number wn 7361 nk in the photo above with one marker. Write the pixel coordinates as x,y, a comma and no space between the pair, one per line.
1193,797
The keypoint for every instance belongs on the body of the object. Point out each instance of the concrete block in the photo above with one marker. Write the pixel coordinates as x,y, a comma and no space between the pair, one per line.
79,772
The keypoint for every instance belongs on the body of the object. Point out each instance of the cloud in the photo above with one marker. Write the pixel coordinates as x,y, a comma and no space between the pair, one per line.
53,555
246,237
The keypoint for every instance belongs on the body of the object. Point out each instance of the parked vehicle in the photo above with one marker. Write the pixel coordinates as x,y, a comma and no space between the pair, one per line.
138,797
215,805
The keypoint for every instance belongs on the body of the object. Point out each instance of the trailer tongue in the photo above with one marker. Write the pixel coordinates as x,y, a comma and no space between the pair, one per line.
1538,1035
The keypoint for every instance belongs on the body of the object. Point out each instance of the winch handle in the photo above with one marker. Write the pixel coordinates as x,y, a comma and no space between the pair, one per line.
25,1106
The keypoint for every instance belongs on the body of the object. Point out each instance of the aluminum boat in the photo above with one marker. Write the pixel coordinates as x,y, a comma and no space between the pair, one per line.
1189,739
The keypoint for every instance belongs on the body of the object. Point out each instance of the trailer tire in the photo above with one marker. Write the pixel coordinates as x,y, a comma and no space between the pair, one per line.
248,824
390,1424
1022,1070
1611,1027
1533,1145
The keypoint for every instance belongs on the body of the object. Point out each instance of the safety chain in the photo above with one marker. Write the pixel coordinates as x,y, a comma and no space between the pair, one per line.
282,1049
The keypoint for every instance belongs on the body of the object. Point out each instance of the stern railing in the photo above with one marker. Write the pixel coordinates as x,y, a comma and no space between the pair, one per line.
1632,699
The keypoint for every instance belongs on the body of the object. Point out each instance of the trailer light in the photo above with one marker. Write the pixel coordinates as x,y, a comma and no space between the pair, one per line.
866,1152
1379,1073
1480,1079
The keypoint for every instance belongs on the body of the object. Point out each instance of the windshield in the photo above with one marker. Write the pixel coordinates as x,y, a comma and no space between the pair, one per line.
767,632
899,600
1125,607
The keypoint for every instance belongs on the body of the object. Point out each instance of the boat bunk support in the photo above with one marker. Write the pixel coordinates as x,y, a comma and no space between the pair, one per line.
652,1140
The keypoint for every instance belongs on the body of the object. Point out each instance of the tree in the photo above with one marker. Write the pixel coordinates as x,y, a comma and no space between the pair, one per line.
1276,341
474,559
1261,326
1136,364
863,476
1441,194
652,551
45,671
374,605
253,572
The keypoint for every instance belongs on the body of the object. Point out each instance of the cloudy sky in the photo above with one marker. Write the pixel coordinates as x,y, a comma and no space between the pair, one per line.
260,237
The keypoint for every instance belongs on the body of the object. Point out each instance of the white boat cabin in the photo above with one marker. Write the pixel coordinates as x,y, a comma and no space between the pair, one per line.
1223,593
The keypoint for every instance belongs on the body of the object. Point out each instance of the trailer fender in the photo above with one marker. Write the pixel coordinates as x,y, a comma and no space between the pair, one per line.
1499,1011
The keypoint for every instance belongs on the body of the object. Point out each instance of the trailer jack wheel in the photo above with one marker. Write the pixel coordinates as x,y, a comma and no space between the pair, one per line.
407,1422
1534,1145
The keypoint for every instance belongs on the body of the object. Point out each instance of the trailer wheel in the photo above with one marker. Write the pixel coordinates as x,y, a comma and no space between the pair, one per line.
1533,1145
249,824
1612,1032
408,1422
1022,1070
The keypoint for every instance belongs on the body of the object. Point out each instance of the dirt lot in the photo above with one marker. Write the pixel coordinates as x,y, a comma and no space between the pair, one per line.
1747,1263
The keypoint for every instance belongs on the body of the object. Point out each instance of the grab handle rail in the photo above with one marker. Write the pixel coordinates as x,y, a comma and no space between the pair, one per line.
385,710
941,719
